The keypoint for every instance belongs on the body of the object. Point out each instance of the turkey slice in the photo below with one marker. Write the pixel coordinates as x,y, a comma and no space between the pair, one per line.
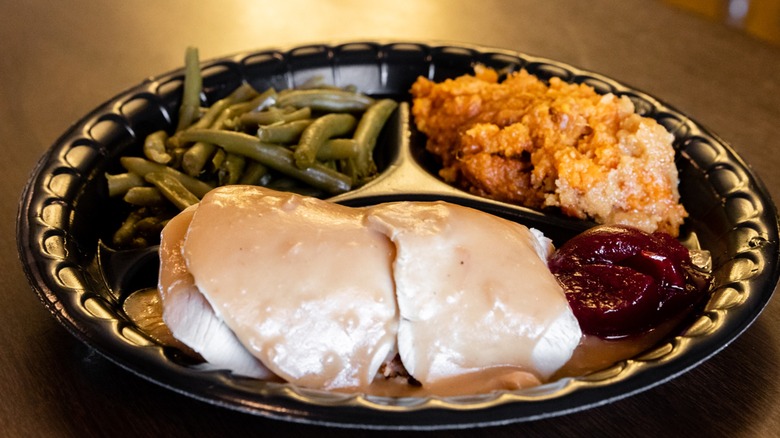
190,317
303,283
474,294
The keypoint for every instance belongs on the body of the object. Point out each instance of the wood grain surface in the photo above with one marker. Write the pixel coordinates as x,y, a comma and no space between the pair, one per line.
59,60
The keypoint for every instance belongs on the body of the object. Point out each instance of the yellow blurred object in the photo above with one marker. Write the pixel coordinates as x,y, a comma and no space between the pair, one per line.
763,20
760,18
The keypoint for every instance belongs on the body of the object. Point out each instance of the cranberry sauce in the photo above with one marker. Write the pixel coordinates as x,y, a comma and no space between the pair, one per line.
622,281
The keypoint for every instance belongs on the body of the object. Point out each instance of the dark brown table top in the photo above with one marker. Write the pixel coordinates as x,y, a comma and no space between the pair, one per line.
61,59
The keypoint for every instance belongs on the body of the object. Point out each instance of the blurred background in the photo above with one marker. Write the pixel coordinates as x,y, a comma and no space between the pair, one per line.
758,18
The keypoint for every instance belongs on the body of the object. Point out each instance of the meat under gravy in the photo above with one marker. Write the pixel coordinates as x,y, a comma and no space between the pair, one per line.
189,316
592,354
301,282
324,295
474,292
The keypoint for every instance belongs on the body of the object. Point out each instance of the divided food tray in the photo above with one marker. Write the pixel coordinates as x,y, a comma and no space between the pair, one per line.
65,214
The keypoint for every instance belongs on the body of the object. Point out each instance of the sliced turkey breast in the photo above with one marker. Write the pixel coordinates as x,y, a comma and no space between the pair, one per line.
302,282
474,293
190,317
324,295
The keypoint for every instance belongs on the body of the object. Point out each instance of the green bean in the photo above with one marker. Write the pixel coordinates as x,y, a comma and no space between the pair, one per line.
318,82
177,153
218,158
259,103
126,232
194,159
323,128
150,225
265,117
142,167
367,132
348,167
231,169
241,94
373,121
144,196
154,147
273,115
325,100
221,121
288,132
193,83
274,156
172,189
119,184
338,149
253,172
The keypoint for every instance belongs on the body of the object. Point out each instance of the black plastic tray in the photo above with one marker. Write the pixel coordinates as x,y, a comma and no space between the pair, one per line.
65,211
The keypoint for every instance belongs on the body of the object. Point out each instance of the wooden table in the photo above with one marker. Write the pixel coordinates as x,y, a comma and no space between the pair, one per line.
61,59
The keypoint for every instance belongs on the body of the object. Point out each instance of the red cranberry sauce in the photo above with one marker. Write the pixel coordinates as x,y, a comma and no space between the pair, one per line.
622,281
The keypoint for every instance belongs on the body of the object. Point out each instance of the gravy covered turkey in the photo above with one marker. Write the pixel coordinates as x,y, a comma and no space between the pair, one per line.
332,297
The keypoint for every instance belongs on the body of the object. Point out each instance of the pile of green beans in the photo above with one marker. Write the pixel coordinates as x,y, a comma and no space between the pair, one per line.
316,140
